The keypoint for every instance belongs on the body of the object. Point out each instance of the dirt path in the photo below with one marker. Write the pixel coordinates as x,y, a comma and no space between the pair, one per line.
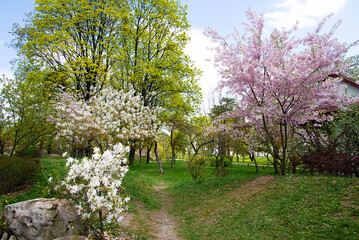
161,225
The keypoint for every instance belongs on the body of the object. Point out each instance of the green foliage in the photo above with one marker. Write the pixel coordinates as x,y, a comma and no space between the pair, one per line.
226,161
41,188
32,151
353,70
225,105
137,44
25,110
75,42
16,171
3,225
196,133
197,166
347,121
331,147
153,62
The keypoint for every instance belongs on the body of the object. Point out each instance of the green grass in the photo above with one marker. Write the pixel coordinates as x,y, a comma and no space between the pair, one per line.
290,207
260,160
235,207
295,207
55,167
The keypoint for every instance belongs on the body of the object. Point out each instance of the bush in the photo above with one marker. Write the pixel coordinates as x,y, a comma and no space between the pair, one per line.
330,162
31,152
197,167
328,152
16,171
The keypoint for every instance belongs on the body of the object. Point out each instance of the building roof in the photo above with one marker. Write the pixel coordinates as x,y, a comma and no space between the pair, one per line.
351,81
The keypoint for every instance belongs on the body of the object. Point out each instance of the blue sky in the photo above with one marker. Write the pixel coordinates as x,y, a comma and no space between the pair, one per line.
222,15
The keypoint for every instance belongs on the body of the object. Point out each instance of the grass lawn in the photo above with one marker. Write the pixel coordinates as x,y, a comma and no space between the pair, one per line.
260,160
241,205
55,167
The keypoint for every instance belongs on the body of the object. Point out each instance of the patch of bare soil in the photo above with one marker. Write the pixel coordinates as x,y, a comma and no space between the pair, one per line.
164,224
161,225
20,190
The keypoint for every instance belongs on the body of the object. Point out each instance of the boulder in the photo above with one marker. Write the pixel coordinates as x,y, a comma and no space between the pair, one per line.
43,219
4,236
72,238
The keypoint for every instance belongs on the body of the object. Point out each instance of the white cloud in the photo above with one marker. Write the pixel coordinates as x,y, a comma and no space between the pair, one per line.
308,12
198,50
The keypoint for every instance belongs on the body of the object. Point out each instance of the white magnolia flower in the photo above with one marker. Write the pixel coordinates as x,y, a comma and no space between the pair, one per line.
94,183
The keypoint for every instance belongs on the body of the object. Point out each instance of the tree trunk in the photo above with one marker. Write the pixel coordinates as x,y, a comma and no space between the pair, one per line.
173,155
140,153
275,164
274,152
131,157
102,229
172,149
221,166
148,154
157,159
2,145
253,159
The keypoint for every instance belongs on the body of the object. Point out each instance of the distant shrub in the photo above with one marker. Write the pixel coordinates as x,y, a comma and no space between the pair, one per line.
197,167
327,161
32,152
16,171
226,161
330,152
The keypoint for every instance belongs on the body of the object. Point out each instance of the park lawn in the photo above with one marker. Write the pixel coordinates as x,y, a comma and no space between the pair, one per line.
241,205
244,206
292,207
260,160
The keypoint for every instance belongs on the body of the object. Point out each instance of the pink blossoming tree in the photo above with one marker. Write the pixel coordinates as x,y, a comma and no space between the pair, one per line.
280,81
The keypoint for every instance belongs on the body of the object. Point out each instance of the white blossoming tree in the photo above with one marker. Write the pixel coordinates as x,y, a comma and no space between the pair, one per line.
106,119
105,122
94,186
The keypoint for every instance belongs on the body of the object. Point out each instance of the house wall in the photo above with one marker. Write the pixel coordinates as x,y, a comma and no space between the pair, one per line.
350,90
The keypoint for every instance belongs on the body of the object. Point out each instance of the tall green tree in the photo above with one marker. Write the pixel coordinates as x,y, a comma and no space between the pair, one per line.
221,136
177,127
197,134
24,112
74,41
154,63
83,45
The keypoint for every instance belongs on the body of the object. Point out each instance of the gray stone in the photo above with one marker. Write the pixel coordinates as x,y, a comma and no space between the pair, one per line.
43,219
72,238
4,236
13,237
